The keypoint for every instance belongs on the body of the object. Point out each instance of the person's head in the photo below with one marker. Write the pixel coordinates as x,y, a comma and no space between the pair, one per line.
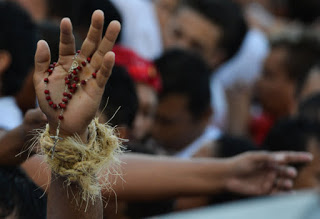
119,102
18,38
229,146
287,64
309,85
214,29
80,11
309,108
298,134
184,102
148,83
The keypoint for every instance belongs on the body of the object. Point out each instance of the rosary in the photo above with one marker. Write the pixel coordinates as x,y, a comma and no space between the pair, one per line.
72,82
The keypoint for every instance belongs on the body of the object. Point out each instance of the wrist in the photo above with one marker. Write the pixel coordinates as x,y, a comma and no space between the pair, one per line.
83,135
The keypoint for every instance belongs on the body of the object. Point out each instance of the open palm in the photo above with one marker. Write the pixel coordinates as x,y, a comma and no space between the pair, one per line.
82,106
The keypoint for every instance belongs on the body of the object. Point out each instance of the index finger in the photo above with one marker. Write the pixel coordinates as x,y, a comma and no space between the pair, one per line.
291,157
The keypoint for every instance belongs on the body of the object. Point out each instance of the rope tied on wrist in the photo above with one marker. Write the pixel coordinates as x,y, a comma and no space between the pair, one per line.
85,164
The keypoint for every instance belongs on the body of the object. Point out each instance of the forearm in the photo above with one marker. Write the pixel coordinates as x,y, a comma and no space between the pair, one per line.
151,177
65,202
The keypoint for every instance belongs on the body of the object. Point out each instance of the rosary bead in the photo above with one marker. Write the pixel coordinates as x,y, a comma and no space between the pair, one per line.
48,98
46,80
46,91
60,117
62,105
83,63
83,82
94,75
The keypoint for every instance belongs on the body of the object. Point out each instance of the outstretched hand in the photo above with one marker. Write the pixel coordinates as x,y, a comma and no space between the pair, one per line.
259,173
82,106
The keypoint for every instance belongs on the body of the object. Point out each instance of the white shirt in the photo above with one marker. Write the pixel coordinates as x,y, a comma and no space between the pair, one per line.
140,29
211,133
10,114
244,67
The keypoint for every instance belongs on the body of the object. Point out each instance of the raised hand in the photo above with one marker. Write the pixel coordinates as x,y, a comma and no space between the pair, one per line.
259,173
82,102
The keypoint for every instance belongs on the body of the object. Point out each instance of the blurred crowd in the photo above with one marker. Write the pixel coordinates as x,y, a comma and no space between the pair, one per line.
192,79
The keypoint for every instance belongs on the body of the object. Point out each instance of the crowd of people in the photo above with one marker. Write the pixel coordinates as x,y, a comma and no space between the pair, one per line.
214,101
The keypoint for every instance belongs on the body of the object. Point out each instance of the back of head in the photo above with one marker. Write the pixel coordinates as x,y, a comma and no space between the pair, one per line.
228,16
185,73
80,11
120,98
18,36
229,146
303,52
292,134
309,108
306,11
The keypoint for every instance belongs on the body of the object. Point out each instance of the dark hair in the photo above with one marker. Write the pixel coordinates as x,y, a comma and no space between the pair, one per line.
120,92
228,16
303,53
80,12
18,36
229,146
306,11
292,134
185,73
309,108
19,195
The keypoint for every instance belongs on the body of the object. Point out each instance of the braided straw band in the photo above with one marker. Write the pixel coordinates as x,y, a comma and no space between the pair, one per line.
85,164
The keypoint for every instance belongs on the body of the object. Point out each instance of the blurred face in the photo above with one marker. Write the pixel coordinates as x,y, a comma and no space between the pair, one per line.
274,89
309,176
148,102
190,30
174,126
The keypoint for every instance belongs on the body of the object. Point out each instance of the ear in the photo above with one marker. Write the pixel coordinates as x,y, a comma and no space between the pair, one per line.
5,61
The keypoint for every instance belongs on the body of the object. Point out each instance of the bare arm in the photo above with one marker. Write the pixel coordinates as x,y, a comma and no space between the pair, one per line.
14,144
62,202
149,177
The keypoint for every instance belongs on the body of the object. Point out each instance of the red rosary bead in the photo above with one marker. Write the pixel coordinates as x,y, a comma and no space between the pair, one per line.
79,68
54,63
65,100
62,105
74,85
46,80
94,74
72,90
83,82
74,72
51,66
76,79
60,117
46,91
83,63
65,94
54,106
50,70
89,59
78,51
69,96
70,76
67,82
50,103
48,97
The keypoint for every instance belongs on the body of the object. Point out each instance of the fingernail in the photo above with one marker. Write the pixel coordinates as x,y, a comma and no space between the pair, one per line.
292,172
